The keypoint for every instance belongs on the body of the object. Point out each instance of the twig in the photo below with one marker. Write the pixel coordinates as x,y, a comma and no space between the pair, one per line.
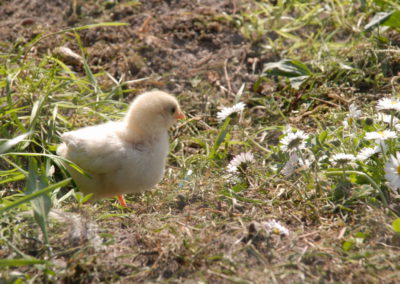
387,50
228,80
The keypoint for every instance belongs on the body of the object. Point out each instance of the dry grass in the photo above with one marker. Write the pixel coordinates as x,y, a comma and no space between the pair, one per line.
197,225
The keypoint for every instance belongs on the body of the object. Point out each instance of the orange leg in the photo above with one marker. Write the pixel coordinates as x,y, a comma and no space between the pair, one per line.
121,200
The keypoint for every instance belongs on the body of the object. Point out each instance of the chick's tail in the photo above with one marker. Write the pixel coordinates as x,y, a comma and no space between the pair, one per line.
62,150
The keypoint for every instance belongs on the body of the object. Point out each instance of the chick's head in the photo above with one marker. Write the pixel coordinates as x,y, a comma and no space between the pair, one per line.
152,111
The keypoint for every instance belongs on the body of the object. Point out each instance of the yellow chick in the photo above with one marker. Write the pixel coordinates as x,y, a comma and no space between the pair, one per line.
126,156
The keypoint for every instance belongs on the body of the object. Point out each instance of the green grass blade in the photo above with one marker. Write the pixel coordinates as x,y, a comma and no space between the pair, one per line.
34,195
41,37
14,178
14,117
20,262
12,142
220,138
42,204
51,156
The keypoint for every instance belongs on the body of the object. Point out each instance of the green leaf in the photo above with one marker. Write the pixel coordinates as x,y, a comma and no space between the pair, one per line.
361,235
347,245
296,82
41,205
112,216
296,71
393,21
390,19
20,262
220,138
287,68
239,187
322,136
86,198
396,225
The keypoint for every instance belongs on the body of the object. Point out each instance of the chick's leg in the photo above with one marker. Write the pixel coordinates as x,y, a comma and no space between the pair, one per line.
121,200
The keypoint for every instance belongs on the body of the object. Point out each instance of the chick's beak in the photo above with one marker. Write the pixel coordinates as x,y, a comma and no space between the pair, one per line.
180,115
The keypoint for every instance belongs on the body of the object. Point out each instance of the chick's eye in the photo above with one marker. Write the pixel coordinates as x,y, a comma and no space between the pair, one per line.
173,109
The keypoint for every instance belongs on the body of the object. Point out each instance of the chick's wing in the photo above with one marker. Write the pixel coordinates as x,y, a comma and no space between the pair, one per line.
96,149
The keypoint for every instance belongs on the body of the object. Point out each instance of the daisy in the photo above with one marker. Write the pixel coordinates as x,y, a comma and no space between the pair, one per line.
240,161
227,111
379,136
343,159
275,227
387,118
392,170
354,112
386,104
294,141
368,152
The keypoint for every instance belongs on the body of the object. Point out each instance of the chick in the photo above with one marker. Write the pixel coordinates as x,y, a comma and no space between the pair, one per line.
126,156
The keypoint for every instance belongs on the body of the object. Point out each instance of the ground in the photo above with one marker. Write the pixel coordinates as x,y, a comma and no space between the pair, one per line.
191,228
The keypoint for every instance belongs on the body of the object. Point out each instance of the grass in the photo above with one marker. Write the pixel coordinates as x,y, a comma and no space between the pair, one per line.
204,223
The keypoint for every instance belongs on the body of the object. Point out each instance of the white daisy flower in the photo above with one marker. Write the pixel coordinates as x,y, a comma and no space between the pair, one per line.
354,112
294,141
275,227
368,152
227,111
343,159
387,104
379,136
392,170
240,160
387,118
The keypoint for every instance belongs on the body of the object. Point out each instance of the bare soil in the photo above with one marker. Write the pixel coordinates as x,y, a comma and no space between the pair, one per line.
169,41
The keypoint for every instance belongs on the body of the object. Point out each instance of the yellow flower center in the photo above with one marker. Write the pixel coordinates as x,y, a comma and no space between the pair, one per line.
381,133
398,169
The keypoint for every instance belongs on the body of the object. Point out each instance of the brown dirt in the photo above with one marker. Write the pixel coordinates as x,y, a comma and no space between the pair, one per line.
171,42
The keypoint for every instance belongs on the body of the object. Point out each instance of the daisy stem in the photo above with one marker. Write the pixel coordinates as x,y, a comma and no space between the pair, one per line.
300,155
257,144
316,171
382,146
306,173
371,181
391,120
